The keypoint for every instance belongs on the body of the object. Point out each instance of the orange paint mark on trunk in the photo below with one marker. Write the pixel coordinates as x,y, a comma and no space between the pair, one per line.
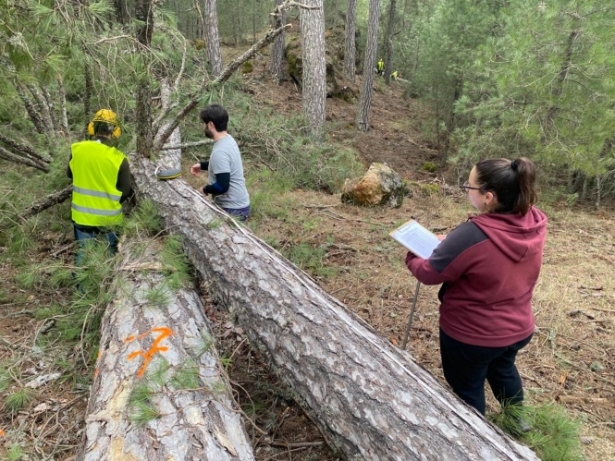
154,349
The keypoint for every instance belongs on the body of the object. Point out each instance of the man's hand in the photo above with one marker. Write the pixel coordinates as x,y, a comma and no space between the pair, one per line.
195,169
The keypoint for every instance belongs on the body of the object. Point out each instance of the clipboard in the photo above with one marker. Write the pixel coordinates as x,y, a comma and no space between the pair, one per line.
416,238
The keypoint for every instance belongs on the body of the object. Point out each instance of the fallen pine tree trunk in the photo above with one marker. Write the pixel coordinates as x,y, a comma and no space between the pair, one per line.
369,398
159,392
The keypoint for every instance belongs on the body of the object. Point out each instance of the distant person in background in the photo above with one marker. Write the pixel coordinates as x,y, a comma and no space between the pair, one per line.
488,268
380,67
101,182
395,75
226,182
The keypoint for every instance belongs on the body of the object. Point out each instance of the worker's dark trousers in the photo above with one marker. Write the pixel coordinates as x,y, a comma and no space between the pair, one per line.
240,213
466,368
83,235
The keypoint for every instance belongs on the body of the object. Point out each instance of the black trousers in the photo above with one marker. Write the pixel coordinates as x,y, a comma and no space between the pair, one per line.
466,368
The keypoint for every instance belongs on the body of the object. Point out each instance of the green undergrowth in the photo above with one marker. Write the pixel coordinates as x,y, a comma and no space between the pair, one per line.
281,143
69,301
554,435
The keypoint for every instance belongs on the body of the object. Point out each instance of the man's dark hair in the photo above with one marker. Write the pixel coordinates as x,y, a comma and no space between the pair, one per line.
217,114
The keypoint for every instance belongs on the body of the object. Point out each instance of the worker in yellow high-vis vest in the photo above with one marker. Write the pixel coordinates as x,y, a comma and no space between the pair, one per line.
101,182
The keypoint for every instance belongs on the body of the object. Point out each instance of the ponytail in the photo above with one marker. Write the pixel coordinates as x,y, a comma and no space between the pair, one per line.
513,183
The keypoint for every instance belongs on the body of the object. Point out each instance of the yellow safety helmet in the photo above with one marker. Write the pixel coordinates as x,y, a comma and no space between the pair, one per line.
107,116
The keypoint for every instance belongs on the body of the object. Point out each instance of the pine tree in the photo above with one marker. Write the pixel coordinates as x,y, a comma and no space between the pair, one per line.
369,64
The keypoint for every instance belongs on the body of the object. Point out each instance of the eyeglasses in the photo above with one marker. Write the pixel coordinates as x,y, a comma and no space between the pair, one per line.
466,186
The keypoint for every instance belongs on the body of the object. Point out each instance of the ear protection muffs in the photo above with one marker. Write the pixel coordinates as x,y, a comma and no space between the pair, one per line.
106,116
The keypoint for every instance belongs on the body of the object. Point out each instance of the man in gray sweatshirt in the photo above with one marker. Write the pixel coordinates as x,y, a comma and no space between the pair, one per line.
226,182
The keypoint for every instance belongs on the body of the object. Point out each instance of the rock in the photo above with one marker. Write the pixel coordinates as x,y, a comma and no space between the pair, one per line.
337,86
381,185
596,367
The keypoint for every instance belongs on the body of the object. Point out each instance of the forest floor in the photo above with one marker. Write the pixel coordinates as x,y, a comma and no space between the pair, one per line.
570,361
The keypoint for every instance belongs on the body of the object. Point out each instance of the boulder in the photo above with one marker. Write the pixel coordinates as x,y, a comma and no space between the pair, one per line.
381,185
337,86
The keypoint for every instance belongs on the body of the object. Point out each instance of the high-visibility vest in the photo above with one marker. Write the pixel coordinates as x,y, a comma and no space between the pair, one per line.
96,198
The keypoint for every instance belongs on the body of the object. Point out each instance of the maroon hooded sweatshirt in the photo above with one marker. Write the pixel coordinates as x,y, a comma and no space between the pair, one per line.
488,267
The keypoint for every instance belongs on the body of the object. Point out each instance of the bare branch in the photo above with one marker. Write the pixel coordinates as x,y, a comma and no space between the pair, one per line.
167,129
187,145
183,65
33,113
12,157
24,149
63,114
43,108
290,3
47,202
110,39
55,122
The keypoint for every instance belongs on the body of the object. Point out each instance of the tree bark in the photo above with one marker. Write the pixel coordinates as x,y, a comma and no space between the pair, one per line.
388,52
368,397
23,160
159,392
22,149
369,64
35,116
145,141
122,14
89,88
314,63
277,49
41,107
212,38
47,202
558,86
164,134
351,47
64,128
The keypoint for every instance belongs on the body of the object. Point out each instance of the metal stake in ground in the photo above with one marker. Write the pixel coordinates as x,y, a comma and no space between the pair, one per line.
416,295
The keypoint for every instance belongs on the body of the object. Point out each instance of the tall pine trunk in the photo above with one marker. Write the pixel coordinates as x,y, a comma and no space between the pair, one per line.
212,38
388,44
314,63
277,49
369,64
145,14
351,47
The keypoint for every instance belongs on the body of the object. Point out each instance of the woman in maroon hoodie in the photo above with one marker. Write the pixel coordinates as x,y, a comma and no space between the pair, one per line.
488,268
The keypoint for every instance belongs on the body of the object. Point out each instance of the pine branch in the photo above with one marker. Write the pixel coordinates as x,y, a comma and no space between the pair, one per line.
290,3
188,144
63,113
12,157
24,150
34,115
47,202
43,108
55,122
167,129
